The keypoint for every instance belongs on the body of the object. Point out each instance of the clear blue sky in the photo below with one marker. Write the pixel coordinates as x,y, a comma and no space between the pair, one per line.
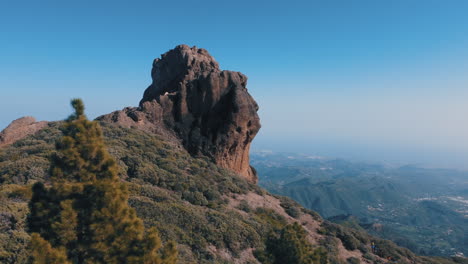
380,80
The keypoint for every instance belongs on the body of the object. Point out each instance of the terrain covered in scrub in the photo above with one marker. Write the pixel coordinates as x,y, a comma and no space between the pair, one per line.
183,154
214,215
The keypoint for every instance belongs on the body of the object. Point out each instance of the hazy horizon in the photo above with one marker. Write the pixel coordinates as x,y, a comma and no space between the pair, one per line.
367,80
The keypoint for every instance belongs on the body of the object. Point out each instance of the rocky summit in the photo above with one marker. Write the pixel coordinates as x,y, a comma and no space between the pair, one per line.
19,129
208,110
191,111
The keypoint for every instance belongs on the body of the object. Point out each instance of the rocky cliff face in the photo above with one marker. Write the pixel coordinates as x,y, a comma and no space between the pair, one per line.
19,129
209,110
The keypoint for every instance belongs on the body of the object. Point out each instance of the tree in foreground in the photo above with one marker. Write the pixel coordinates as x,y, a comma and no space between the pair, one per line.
84,216
290,245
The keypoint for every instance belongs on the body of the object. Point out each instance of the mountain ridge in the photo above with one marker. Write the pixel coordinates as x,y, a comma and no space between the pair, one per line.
215,216
188,172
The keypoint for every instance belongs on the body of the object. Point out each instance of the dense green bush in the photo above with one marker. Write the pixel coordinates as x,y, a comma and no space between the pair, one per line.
290,245
353,260
344,234
244,206
388,249
291,207
13,238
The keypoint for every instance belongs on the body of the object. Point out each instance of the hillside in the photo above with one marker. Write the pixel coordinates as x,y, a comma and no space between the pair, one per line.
422,209
184,154
214,215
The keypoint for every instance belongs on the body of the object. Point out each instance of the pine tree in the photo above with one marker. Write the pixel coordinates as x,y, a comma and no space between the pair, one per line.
84,216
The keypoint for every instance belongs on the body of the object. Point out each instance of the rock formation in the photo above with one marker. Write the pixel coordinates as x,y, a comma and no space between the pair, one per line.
209,110
20,128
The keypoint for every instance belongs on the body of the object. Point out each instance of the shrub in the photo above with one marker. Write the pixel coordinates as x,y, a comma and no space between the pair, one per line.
244,206
290,245
290,206
353,260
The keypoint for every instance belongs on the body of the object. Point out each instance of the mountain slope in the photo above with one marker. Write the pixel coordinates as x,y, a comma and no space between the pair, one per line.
422,209
184,153
214,215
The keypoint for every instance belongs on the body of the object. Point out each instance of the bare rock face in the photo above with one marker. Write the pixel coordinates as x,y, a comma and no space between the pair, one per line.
208,109
20,128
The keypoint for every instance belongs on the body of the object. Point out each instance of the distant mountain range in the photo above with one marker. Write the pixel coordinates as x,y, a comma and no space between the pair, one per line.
425,210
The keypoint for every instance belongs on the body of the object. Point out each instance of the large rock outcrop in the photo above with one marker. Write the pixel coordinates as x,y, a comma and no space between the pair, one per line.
209,110
20,128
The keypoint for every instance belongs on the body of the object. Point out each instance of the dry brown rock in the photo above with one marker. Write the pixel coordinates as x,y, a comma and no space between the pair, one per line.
209,110
20,128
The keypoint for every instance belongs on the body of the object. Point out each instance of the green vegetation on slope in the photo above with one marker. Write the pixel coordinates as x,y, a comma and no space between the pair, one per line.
84,216
290,245
185,198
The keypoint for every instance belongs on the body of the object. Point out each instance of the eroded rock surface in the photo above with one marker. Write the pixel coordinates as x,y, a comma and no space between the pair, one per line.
20,128
209,110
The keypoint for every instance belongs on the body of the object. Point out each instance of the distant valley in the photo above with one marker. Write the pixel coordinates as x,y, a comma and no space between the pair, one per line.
425,210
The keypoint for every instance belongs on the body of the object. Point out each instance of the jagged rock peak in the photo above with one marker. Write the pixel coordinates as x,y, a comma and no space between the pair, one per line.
20,128
175,65
209,110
